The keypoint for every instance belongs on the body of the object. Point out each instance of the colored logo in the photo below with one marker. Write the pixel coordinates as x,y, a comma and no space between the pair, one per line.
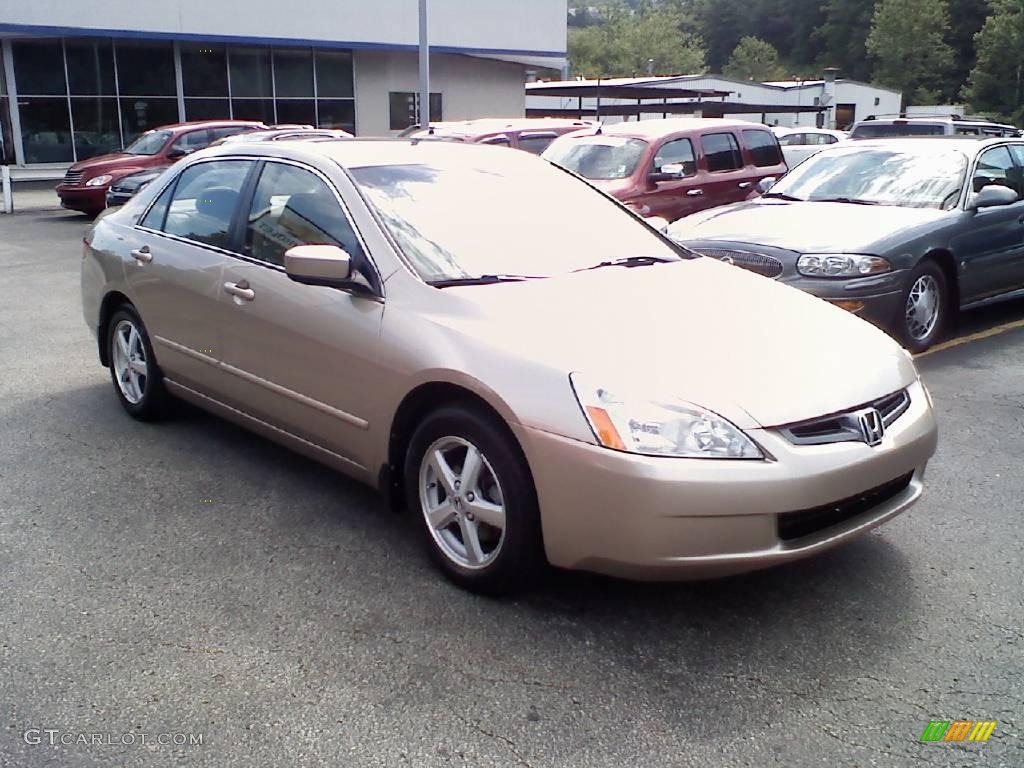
958,730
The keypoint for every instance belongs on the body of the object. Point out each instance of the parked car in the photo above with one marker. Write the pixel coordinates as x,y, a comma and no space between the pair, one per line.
801,142
293,133
84,187
672,168
902,232
519,417
125,188
877,127
532,135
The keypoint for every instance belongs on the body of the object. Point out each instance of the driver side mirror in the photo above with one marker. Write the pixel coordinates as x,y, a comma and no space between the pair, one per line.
992,195
668,172
326,265
766,183
175,153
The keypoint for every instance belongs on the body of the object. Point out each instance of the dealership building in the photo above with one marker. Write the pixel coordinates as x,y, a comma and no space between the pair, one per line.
83,77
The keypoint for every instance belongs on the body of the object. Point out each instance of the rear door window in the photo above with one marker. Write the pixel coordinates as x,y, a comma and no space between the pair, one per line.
721,151
204,201
679,151
764,151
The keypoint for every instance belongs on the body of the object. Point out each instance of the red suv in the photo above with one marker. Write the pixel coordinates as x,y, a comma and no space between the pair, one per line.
85,185
671,168
530,134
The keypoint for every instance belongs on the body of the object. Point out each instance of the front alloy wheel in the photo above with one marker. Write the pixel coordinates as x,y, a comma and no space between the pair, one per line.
924,307
470,490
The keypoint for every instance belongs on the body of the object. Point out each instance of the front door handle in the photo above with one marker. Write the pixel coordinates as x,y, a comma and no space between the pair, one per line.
240,290
694,192
746,184
142,255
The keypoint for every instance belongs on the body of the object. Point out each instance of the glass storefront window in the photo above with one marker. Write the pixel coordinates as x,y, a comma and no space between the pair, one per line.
337,113
46,129
146,68
293,72
96,126
207,109
39,67
250,73
141,114
334,74
299,111
90,67
253,109
204,70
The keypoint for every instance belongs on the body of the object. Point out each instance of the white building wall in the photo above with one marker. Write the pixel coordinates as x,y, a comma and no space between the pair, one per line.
529,28
469,87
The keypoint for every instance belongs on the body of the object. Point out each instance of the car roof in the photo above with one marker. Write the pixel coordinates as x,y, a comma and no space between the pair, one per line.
970,146
653,129
210,124
933,119
360,153
490,125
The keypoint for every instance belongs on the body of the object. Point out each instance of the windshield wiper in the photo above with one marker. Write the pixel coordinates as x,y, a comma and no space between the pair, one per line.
449,282
851,200
627,261
784,196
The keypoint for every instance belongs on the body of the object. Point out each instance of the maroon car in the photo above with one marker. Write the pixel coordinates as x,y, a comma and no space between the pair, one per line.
530,134
671,168
85,185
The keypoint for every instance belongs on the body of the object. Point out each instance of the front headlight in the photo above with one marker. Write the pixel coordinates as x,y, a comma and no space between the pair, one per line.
98,181
841,265
657,428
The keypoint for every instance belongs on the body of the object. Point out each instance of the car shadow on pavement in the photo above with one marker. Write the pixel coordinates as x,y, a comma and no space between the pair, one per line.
256,547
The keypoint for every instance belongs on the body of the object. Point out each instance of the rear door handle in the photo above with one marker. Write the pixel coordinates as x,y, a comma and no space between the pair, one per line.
240,290
694,192
746,184
142,255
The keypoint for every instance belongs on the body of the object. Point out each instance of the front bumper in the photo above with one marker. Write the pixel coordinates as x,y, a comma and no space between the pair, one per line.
669,518
82,198
116,197
881,295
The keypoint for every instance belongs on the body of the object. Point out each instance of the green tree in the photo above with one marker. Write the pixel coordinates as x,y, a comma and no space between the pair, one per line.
628,40
995,84
754,59
841,37
908,45
967,17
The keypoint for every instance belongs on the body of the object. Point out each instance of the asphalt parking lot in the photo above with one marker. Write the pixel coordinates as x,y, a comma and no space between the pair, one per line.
188,578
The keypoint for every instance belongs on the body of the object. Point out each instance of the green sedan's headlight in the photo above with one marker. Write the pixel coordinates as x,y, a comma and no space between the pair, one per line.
841,265
657,428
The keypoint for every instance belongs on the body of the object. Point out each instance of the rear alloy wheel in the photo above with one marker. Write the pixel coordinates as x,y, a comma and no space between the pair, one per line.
469,488
133,369
925,306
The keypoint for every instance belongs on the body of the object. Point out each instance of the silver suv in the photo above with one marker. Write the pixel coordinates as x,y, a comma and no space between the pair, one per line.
878,127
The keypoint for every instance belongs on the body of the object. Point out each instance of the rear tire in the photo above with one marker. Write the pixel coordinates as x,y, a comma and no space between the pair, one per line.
924,311
471,494
137,379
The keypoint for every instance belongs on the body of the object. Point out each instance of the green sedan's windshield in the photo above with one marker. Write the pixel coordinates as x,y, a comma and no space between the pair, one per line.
882,176
515,215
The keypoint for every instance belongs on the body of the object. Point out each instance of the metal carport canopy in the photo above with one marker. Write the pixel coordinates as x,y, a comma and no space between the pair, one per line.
594,89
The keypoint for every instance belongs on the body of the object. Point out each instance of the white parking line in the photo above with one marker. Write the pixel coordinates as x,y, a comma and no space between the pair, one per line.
988,332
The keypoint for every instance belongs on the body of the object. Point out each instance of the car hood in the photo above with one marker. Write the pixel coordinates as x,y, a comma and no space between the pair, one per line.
755,351
804,227
118,161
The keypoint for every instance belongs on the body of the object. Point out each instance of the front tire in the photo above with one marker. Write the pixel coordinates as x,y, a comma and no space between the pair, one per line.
925,308
137,379
472,496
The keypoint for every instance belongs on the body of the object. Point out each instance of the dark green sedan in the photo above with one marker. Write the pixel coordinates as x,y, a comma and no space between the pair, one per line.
902,232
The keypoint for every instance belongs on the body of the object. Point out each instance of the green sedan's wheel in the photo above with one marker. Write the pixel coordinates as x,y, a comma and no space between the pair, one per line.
925,306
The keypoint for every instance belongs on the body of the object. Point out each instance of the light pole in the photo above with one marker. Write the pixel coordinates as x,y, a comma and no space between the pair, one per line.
424,112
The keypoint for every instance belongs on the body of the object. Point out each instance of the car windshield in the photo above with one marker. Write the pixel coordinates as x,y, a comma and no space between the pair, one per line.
514,215
883,176
597,157
889,130
148,143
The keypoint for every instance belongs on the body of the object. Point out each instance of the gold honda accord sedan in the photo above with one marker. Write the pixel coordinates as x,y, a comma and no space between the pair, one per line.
534,372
